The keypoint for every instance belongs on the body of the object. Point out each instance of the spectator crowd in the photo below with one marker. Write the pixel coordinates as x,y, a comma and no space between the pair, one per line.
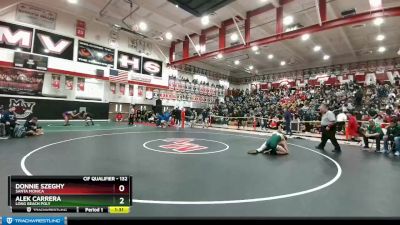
376,104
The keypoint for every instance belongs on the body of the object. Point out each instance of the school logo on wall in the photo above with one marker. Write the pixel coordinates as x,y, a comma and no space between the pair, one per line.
23,109
15,37
139,64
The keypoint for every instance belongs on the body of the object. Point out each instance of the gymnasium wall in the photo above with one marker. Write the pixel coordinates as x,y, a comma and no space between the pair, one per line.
95,89
52,109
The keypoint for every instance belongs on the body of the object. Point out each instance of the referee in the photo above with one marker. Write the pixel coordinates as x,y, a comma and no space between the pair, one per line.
328,129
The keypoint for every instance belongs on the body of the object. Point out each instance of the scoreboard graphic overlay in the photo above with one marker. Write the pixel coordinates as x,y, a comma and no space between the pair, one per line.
70,194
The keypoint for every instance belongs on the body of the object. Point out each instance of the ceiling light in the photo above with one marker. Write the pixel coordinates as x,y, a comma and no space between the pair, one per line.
381,49
317,48
168,35
378,21
283,63
73,1
18,49
254,48
375,4
198,47
380,37
203,48
177,6
234,37
305,37
46,50
270,56
251,67
205,20
326,57
143,26
257,52
288,20
237,62
219,56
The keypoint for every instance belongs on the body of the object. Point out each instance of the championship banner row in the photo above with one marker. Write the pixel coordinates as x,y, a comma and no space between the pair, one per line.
173,95
184,86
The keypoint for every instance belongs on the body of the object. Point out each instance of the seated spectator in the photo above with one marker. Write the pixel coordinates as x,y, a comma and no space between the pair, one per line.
374,131
32,128
341,119
165,119
9,119
119,117
393,131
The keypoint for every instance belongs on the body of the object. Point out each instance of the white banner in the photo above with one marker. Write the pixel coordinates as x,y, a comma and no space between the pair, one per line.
36,16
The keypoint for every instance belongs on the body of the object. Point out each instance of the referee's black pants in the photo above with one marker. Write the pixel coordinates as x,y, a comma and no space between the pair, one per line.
328,135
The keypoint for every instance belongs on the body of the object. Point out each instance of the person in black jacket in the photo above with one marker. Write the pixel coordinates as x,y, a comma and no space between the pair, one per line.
178,116
9,119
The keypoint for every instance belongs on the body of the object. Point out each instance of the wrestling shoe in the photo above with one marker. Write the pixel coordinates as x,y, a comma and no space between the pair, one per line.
267,152
253,152
319,148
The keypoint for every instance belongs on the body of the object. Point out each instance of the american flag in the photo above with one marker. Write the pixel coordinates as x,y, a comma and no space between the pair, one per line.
121,77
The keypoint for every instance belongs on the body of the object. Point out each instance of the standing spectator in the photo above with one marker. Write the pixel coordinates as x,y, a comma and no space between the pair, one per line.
2,125
352,126
178,116
194,118
288,119
138,115
9,119
328,129
131,119
358,98
374,131
205,115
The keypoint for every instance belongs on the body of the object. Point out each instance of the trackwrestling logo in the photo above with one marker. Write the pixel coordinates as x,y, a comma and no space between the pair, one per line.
23,109
34,220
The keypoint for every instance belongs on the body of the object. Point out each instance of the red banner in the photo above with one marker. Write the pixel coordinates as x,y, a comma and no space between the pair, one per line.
55,81
122,89
131,93
80,28
81,84
140,91
113,88
69,83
